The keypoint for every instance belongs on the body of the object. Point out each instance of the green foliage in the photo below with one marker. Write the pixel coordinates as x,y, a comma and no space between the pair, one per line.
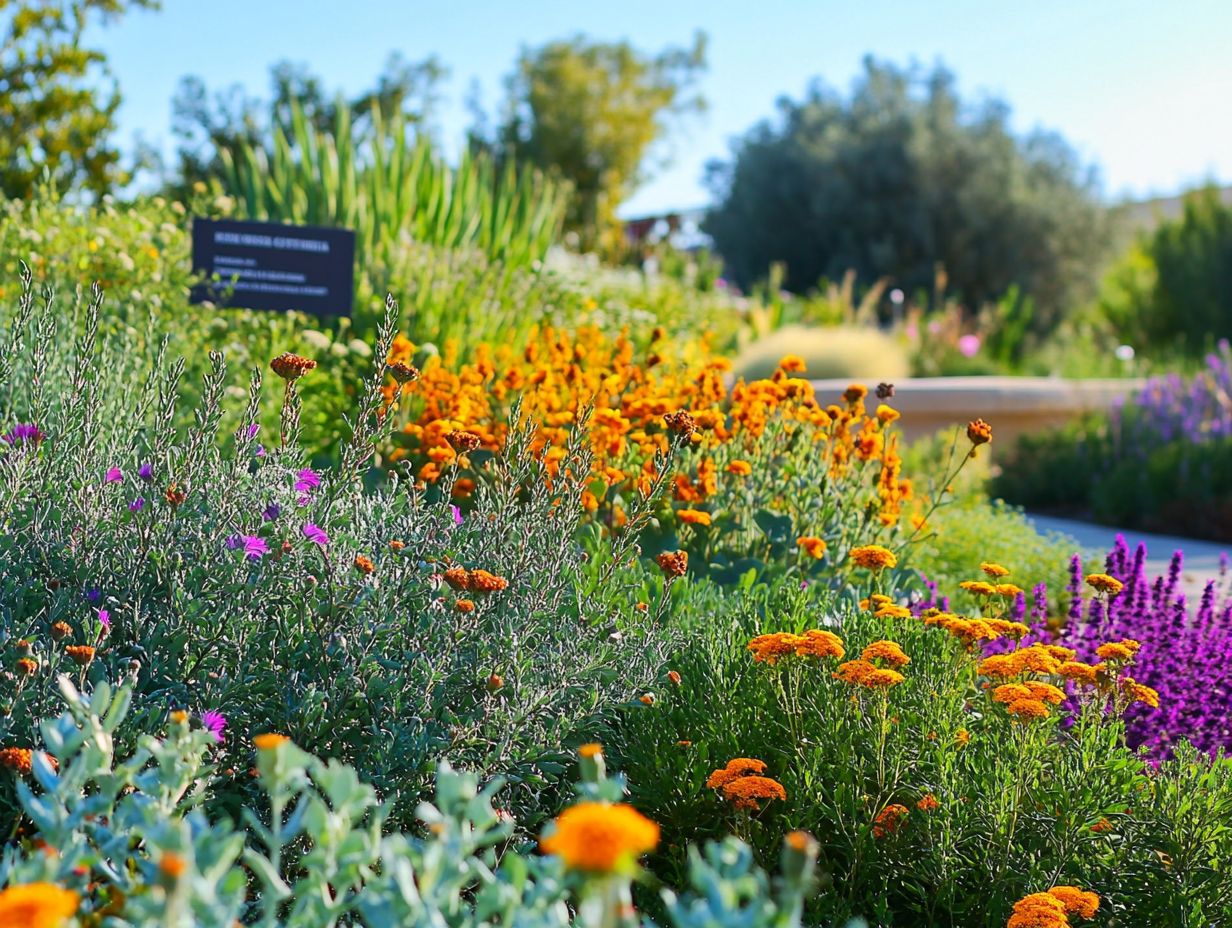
129,825
393,191
838,352
590,112
56,110
383,669
1016,803
1173,288
903,177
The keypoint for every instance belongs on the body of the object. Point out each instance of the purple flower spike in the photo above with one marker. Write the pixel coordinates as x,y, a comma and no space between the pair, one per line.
315,534
255,546
214,723
114,475
146,472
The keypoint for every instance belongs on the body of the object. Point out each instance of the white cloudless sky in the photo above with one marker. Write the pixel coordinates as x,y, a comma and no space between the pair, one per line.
1141,88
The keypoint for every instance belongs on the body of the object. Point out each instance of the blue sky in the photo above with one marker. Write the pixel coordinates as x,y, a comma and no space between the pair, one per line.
1140,88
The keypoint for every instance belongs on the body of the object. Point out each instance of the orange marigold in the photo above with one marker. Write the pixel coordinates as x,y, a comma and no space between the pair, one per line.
892,611
19,759
928,803
811,545
600,837
864,673
888,652
464,606
458,577
740,468
873,557
269,741
792,364
27,666
1078,672
481,581
1028,709
1140,692
1103,583
890,820
693,516
1082,903
364,564
82,654
979,587
746,792
995,571
37,905
60,631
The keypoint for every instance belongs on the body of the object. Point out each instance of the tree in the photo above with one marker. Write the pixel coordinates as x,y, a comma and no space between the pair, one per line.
204,126
57,99
591,112
902,179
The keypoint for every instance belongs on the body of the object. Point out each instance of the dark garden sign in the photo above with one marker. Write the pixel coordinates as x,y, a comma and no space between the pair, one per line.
264,265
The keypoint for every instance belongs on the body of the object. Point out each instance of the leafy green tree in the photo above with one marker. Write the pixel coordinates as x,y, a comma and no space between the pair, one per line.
232,119
902,179
591,112
57,99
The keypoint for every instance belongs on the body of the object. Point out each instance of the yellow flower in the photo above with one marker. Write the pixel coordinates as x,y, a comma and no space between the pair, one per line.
892,611
995,571
792,364
1116,651
36,905
873,557
886,415
1105,584
864,673
811,545
1008,589
599,837
979,587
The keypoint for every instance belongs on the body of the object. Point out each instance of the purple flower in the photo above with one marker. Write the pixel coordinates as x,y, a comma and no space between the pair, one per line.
255,546
24,434
251,431
271,512
260,451
233,542
137,505
104,618
307,480
457,514
303,500
93,594
315,534
114,475
214,723
146,472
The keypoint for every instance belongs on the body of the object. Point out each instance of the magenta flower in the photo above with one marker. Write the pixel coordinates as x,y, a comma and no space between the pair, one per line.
137,505
307,480
114,475
255,546
315,534
214,723
969,346
146,472
24,434
104,621
457,514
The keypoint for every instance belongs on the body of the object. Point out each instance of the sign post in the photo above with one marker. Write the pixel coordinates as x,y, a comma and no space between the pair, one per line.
266,265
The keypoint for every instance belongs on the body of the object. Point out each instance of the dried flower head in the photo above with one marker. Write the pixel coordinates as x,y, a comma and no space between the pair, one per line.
291,367
403,372
174,495
680,423
979,432
673,563
885,391
27,666
855,392
463,441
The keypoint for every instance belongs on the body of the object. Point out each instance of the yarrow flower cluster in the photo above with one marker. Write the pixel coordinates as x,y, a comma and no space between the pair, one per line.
741,782
1052,909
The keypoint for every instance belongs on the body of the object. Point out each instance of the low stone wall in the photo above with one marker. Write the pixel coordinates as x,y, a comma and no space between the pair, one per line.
1012,405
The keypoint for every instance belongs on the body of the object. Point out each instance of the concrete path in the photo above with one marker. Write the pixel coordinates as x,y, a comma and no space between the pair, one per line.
1201,557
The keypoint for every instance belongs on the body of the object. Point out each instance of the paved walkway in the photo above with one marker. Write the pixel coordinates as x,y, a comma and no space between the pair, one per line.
1201,557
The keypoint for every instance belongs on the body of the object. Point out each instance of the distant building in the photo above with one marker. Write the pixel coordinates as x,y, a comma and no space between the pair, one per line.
681,228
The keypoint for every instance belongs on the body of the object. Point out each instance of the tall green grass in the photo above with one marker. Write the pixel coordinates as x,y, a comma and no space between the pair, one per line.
394,190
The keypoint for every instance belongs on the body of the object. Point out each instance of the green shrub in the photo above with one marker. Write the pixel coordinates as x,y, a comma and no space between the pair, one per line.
839,353
131,843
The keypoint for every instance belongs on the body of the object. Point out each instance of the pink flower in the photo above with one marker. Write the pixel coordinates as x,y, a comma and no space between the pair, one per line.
969,346
114,475
307,479
457,514
315,534
214,723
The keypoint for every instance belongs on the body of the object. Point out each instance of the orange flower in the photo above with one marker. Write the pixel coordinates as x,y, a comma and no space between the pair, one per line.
60,631
979,432
820,644
890,820
483,582
1078,902
82,654
674,677
747,792
599,837
996,571
464,606
863,673
735,768
740,468
769,648
269,741
1028,709
673,563
811,545
792,364
27,666
693,516
364,564
1105,584
19,759
888,652
37,905
873,557
928,803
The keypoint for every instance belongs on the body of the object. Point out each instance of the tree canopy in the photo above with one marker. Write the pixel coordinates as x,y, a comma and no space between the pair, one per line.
902,179
57,98
591,113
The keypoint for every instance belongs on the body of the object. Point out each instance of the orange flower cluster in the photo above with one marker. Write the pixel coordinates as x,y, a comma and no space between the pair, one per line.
1053,908
867,674
476,581
600,837
37,905
769,649
673,563
637,404
742,784
972,631
18,759
890,821
291,367
873,557
1105,584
